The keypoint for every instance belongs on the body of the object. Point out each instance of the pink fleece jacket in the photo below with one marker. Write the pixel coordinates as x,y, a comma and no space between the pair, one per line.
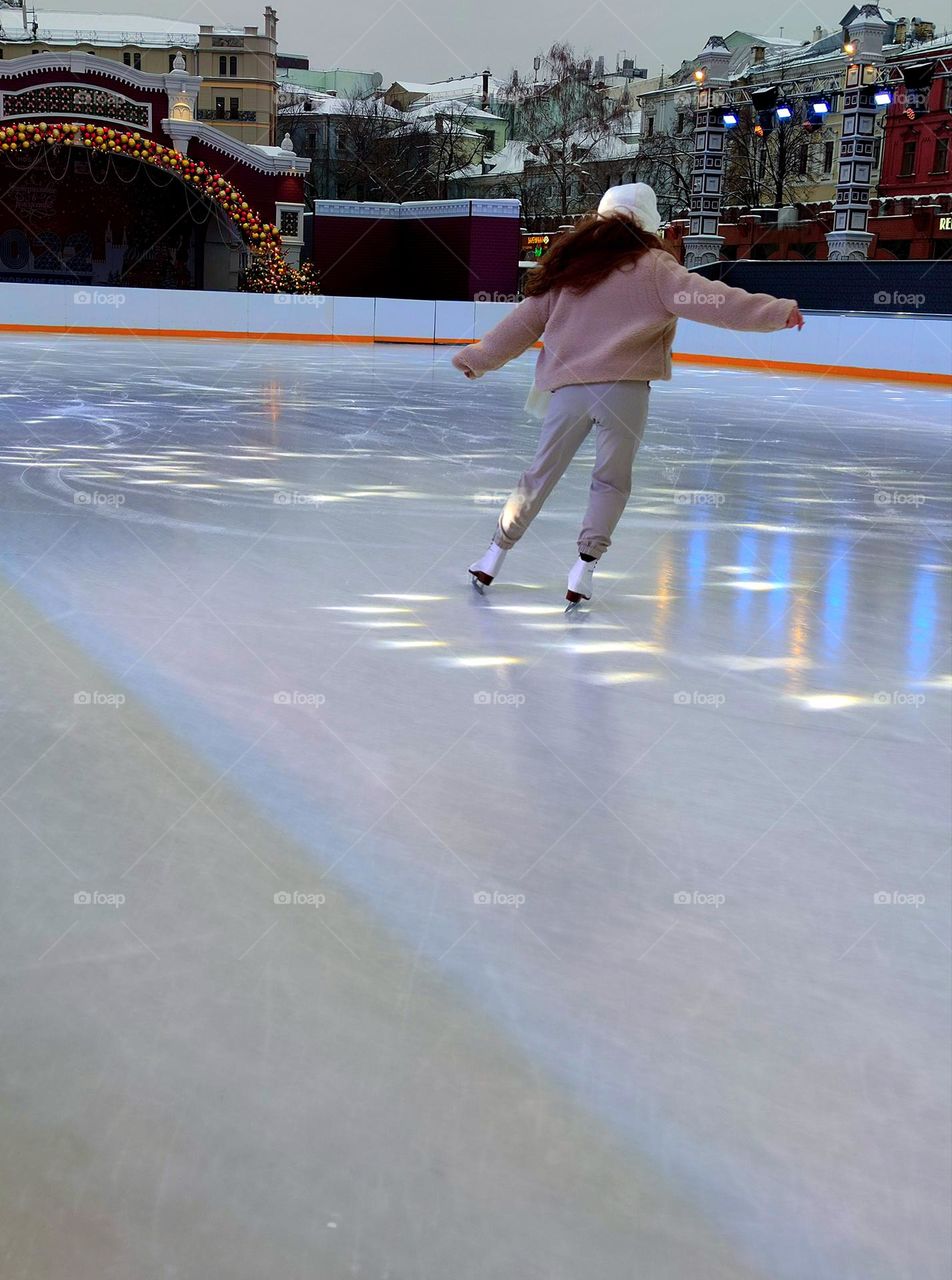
621,329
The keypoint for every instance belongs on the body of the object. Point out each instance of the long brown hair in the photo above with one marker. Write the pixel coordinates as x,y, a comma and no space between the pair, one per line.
595,246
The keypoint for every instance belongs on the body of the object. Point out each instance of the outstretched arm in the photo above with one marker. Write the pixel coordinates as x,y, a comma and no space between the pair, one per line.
506,340
689,295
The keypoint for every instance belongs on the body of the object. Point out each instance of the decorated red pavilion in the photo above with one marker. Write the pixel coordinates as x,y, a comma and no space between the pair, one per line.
106,176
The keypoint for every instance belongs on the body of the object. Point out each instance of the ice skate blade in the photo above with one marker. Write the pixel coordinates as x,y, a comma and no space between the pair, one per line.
480,582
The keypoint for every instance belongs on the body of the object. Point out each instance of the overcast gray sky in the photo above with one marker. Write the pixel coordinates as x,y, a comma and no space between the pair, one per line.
432,39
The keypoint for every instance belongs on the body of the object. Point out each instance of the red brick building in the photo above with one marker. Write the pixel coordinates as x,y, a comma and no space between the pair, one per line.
917,147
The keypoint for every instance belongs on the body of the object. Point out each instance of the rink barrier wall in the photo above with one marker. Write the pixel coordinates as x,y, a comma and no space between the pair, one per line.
905,348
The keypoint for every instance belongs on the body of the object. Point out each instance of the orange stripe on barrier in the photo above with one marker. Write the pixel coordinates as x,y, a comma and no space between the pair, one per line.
822,370
219,334
682,357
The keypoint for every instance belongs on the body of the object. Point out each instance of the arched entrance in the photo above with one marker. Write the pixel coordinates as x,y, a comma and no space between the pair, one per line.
87,202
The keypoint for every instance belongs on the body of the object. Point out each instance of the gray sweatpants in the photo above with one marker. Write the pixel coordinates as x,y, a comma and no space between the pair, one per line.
618,411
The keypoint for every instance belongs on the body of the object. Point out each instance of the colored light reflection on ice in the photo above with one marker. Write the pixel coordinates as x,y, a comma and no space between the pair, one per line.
836,598
622,677
532,610
485,660
922,621
612,646
413,644
829,701
398,595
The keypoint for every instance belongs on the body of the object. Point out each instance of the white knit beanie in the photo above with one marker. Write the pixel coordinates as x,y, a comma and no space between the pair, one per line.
636,199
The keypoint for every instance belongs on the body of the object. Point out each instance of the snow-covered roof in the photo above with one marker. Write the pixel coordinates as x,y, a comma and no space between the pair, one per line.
430,126
768,42
59,26
462,87
310,102
451,104
513,158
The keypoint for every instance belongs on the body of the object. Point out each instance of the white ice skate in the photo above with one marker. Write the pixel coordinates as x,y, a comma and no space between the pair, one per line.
487,567
580,582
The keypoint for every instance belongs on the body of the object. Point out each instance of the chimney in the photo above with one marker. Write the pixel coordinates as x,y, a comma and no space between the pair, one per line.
818,34
758,51
484,101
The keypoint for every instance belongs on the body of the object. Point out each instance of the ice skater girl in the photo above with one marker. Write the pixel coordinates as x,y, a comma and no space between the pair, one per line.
607,297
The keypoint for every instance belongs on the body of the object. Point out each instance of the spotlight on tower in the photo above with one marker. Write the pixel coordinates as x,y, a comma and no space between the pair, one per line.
700,75
820,106
882,95
784,111
729,118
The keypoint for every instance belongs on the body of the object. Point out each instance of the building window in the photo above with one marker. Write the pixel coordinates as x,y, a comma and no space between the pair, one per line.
290,222
907,166
828,157
803,161
233,66
219,108
223,65
940,158
233,109
133,60
680,125
650,126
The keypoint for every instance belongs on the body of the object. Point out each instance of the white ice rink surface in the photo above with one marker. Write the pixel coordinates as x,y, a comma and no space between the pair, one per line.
682,1040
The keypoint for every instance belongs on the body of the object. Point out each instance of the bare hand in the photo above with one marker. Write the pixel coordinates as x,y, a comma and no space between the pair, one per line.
795,319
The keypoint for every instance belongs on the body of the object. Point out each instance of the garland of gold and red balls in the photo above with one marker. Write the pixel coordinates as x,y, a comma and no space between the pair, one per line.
262,237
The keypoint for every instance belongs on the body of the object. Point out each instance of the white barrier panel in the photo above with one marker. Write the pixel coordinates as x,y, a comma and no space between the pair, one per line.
858,345
898,344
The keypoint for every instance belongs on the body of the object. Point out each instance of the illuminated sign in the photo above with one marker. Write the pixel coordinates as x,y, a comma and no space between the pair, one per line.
535,245
945,223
